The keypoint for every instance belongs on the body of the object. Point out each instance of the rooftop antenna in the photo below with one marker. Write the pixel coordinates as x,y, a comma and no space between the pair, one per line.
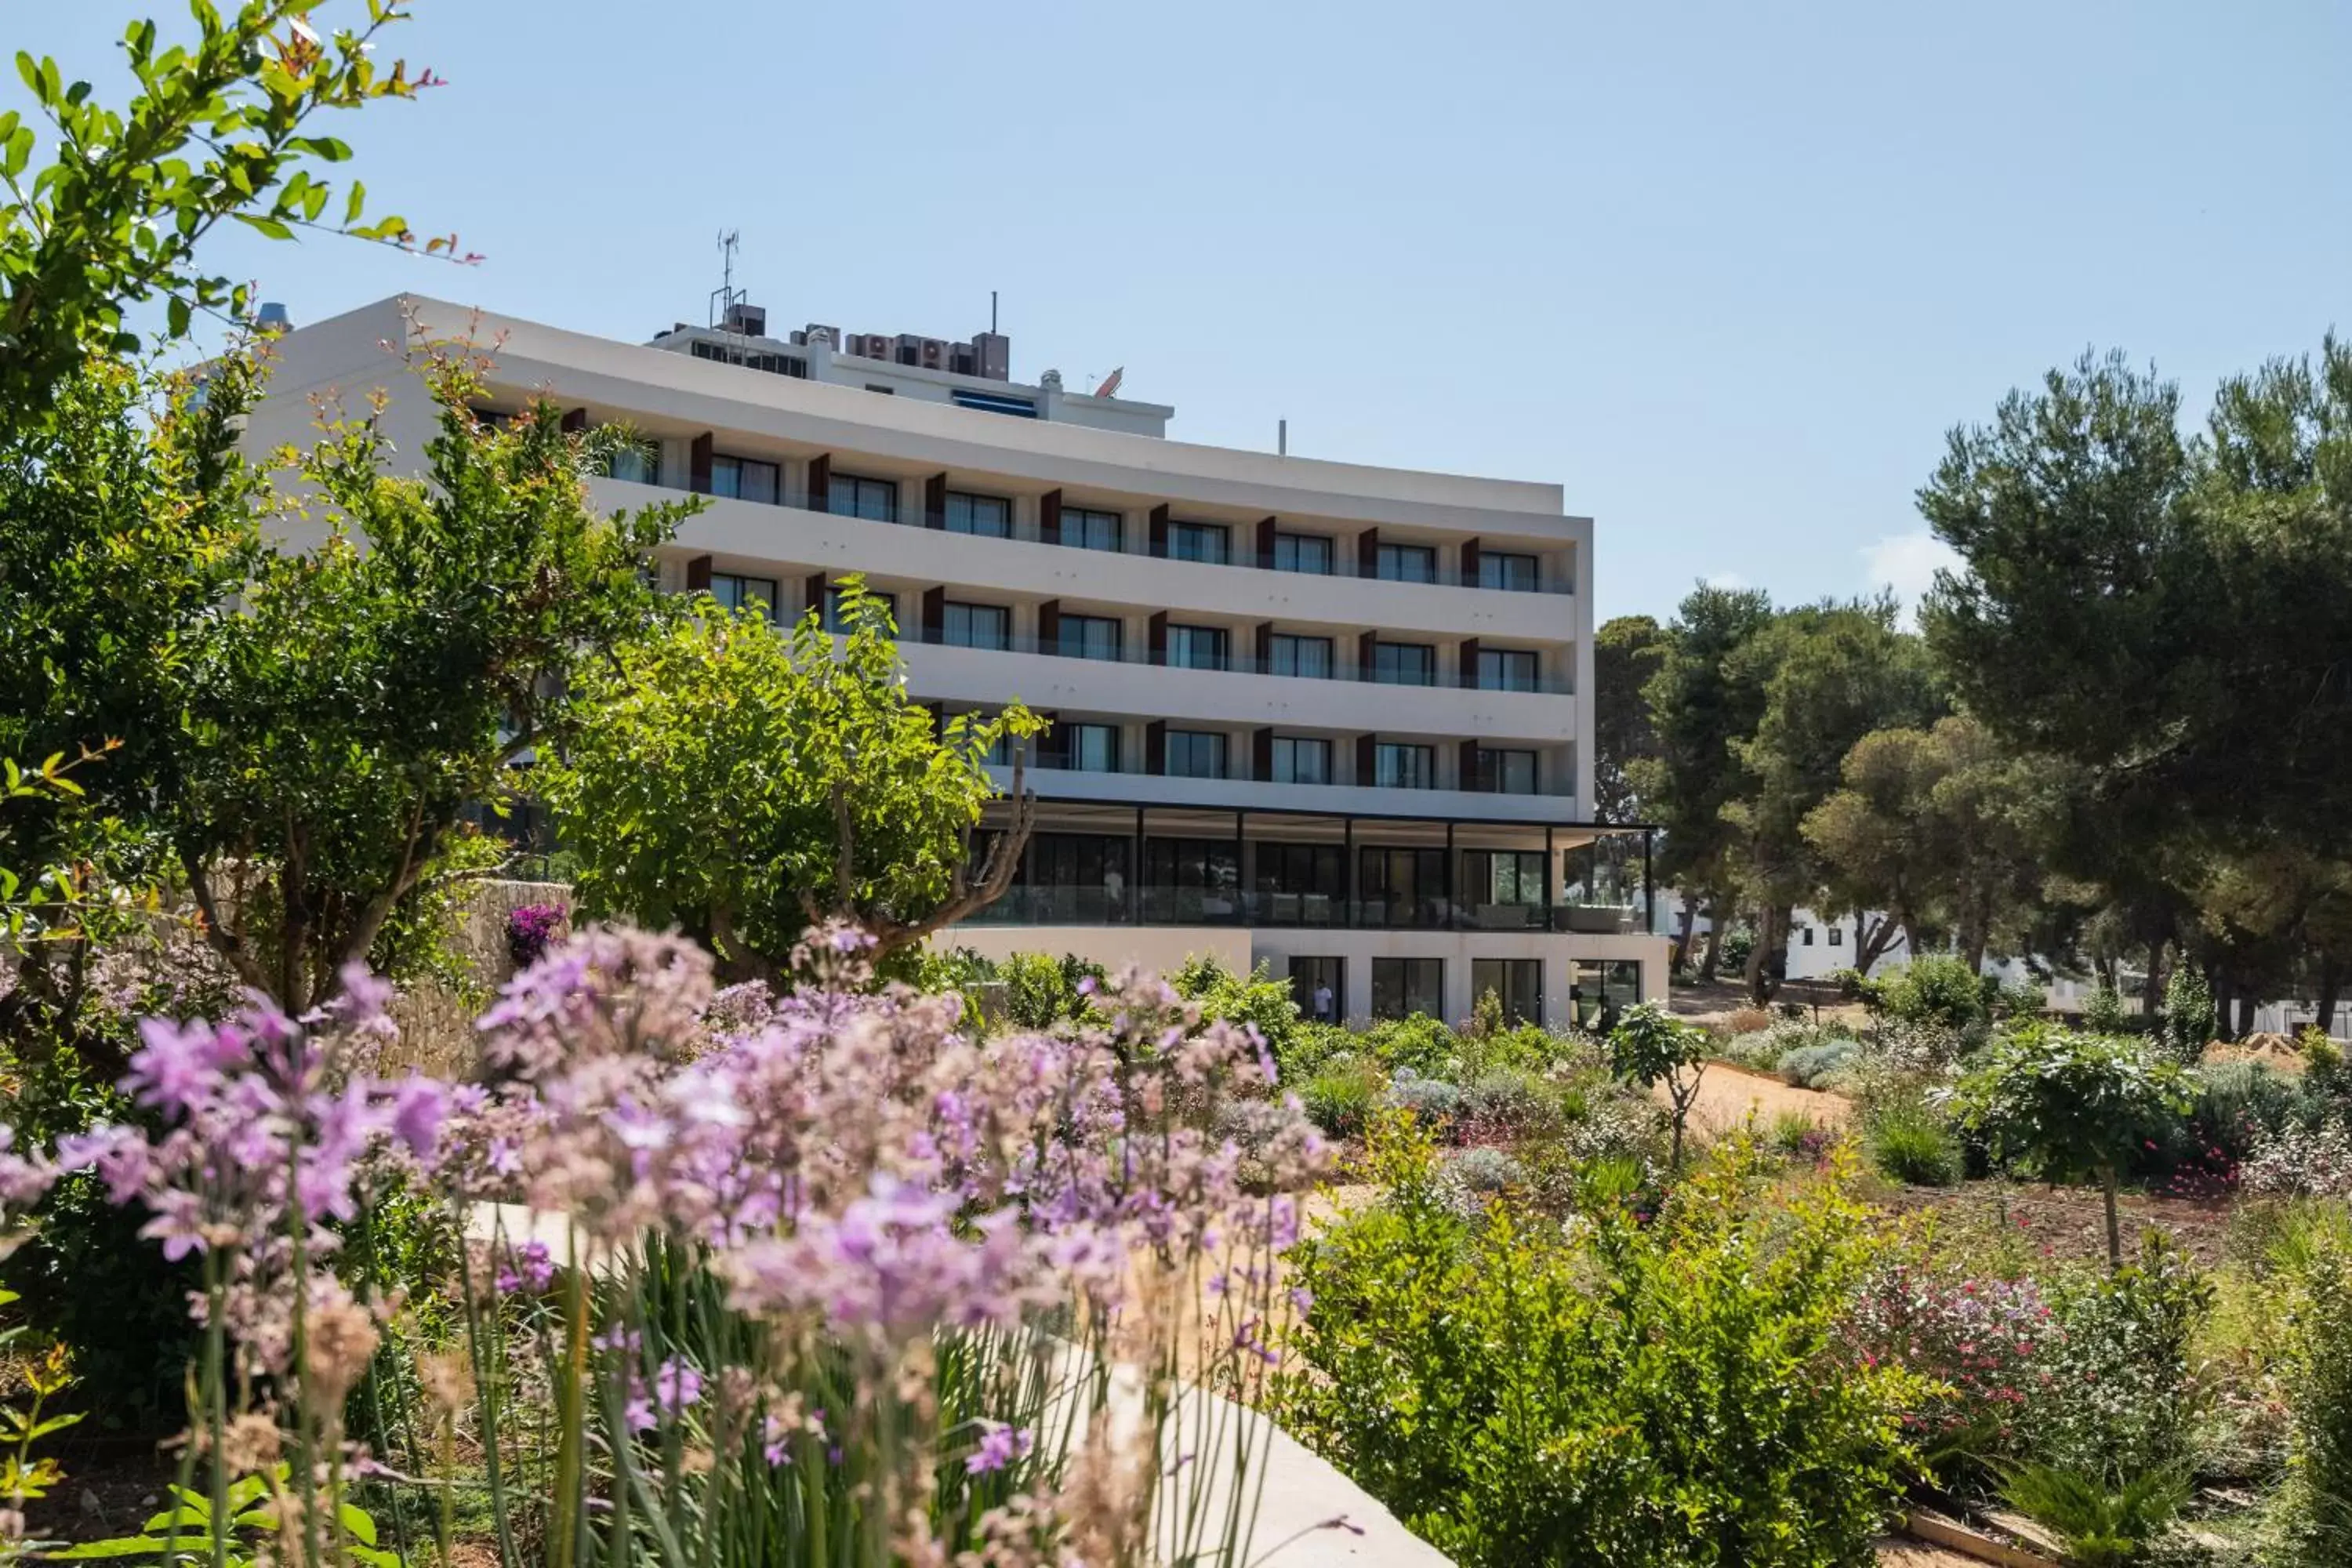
1282,437
991,312
724,299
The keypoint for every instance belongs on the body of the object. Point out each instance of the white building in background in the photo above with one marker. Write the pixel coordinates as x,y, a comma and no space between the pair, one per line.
1325,716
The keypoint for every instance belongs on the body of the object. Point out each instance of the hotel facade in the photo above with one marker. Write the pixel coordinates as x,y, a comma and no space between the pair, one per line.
1331,718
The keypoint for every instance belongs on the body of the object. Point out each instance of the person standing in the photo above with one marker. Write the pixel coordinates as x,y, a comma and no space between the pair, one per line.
1324,1001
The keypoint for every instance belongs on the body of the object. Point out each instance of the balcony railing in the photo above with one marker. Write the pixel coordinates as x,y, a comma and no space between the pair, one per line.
909,514
1060,762
1228,664
1198,906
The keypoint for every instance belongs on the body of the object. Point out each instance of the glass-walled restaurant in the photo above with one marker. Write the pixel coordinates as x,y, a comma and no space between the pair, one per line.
1095,863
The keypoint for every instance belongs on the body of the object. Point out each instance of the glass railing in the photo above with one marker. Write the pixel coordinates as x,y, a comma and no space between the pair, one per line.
1232,663
1060,762
1211,906
910,513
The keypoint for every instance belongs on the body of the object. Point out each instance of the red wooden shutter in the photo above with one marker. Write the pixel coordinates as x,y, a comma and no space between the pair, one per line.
935,613
697,465
1470,562
934,502
816,595
1155,746
1266,544
1366,764
1264,651
1368,553
1466,775
820,482
1262,756
1364,646
1049,517
1158,637
1049,627
1160,531
697,574
1465,670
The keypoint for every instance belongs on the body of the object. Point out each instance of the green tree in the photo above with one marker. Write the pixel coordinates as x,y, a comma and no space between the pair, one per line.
1830,674
372,688
2068,1106
220,128
745,783
1627,653
1651,1048
1699,704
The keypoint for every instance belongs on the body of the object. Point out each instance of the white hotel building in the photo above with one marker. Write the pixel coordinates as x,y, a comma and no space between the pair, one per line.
1325,716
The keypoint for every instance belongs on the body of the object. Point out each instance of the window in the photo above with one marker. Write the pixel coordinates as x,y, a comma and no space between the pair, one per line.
1196,647
1603,990
884,391
1319,987
1502,771
877,501
743,479
1192,878
1079,876
752,359
638,462
1806,933
1303,552
1837,936
740,593
1289,655
1090,636
1401,887
1088,530
1404,986
1408,563
1513,877
1507,669
1196,755
1404,664
1091,747
1302,884
1514,573
988,516
976,625
833,601
1516,982
1301,759
1208,541
1405,765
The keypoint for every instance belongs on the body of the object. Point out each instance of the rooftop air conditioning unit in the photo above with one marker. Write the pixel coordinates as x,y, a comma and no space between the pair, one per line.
935,354
751,321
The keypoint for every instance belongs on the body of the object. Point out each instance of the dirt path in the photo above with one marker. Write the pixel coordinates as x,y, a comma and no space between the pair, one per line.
1727,1094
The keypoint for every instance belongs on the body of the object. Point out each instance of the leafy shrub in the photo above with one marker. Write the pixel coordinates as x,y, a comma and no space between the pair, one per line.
1525,1048
1341,1096
1793,1130
1422,1043
1432,1100
2314,1514
2103,1012
1309,1044
1748,1021
1256,1000
2189,1019
1911,1143
1982,1341
1039,991
2101,1525
2301,1162
1485,1170
2120,1397
1816,1066
1511,1099
1935,988
1649,1047
2022,999
1621,1396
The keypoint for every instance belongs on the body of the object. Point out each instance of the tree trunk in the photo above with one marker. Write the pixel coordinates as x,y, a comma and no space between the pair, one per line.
1872,941
2331,986
2249,1001
1682,937
2152,1000
2114,1227
1768,926
2219,985
1712,965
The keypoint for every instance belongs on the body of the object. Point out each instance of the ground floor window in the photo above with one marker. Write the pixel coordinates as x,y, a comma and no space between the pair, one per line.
1301,884
1404,986
1319,987
1077,877
1603,989
1192,878
1516,983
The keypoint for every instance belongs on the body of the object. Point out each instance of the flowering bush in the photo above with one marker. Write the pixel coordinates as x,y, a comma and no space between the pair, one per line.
820,1240
529,929
1985,1340
2309,1161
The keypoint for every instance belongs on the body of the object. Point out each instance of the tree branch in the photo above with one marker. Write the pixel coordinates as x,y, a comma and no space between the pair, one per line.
216,935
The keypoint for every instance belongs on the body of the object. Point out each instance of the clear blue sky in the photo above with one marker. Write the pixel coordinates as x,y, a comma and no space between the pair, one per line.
1725,271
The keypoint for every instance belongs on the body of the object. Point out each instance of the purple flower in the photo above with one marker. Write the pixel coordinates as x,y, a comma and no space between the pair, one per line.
178,1064
418,1106
527,1268
999,1446
677,1385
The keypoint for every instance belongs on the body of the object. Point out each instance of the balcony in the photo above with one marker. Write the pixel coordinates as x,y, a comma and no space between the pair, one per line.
1344,671
1066,906
908,510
